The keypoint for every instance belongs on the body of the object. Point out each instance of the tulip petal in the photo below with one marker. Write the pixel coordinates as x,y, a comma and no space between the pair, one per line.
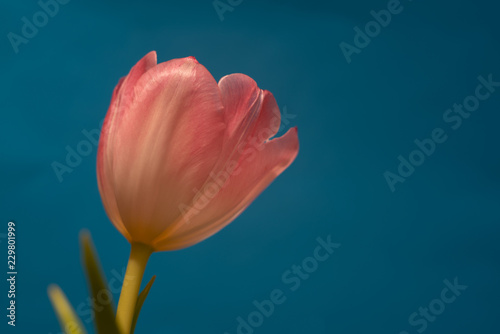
242,101
122,93
254,172
167,141
124,90
247,109
128,87
252,116
104,173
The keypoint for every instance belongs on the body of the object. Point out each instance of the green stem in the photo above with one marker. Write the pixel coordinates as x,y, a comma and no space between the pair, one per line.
139,255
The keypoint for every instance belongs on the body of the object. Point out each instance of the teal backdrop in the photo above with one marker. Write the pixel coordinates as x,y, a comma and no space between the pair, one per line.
391,209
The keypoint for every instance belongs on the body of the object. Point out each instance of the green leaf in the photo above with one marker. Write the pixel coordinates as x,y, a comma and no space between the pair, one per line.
140,301
100,294
70,323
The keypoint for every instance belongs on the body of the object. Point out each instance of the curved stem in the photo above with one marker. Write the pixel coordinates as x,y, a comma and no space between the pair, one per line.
139,255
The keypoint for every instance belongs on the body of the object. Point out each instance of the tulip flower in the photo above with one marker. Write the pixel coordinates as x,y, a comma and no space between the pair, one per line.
181,156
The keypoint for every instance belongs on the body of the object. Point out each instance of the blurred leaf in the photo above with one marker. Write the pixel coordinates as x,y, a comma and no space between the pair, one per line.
140,301
104,307
68,320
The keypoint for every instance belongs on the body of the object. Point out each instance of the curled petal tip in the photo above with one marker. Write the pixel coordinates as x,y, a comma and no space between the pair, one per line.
151,54
149,60
191,58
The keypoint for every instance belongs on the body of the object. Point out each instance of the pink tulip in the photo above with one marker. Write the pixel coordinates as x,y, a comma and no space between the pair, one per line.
181,156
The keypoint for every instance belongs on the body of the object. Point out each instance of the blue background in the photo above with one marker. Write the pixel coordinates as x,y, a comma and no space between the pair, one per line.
354,121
